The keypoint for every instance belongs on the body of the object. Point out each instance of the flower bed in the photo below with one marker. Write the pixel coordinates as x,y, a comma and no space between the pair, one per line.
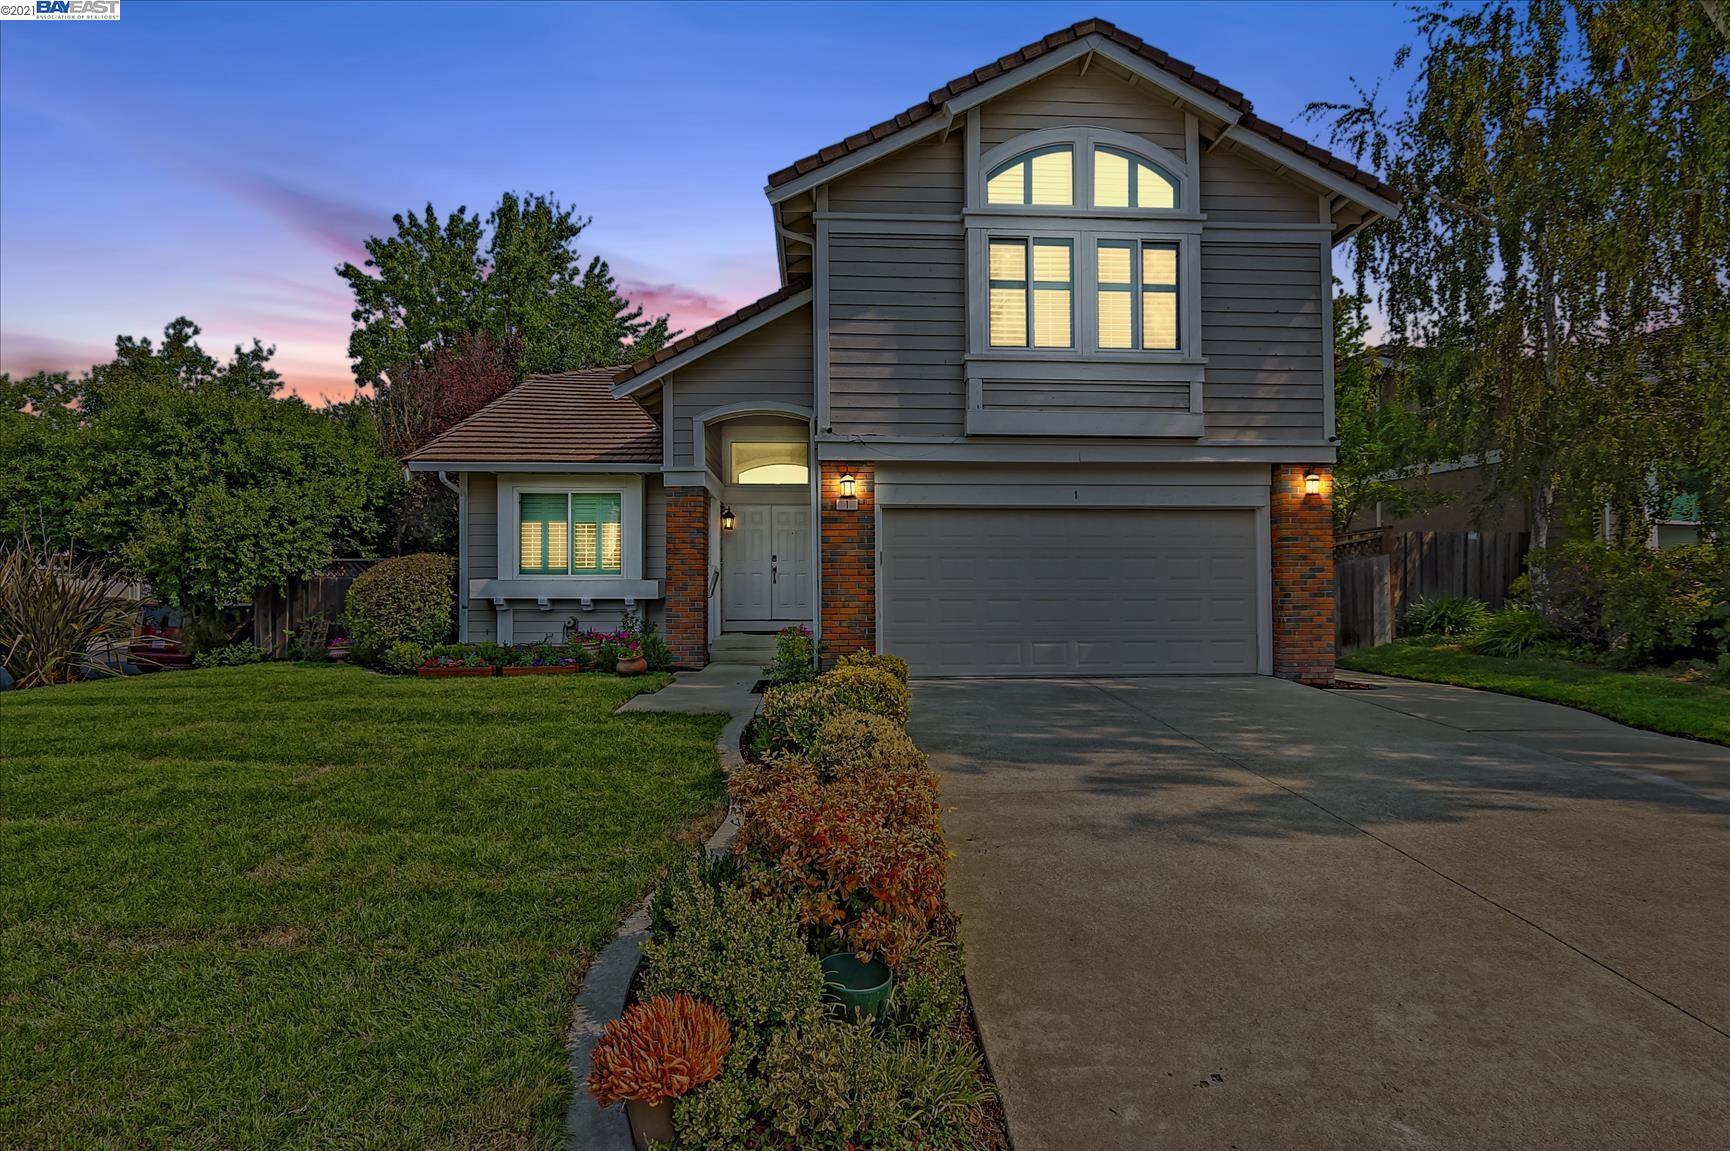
823,940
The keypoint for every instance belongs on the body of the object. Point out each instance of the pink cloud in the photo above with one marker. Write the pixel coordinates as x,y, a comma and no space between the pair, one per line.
340,227
689,308
25,353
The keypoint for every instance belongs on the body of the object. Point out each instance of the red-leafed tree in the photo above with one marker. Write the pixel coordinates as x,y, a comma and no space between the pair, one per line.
419,402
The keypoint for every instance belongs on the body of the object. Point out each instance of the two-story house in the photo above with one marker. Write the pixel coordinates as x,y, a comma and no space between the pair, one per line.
1046,389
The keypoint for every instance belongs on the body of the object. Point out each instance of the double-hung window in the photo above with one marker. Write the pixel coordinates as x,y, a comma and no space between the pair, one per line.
1032,293
1138,300
569,533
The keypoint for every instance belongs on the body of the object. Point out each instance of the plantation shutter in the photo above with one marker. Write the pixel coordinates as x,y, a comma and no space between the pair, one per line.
544,535
596,536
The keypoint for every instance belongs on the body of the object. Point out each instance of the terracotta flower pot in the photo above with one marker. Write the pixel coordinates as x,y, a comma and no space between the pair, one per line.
454,672
651,1123
633,666
543,669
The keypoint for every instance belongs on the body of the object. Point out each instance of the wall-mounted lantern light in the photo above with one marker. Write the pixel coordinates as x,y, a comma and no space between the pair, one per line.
728,519
848,501
1312,484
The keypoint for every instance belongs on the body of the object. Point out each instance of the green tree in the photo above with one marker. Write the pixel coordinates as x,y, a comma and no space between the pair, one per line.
1384,440
1564,243
190,473
518,279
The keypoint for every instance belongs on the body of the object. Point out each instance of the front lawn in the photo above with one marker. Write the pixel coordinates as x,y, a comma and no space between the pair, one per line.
305,906
1651,700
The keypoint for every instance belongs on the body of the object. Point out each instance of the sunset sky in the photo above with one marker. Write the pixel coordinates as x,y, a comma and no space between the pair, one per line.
219,160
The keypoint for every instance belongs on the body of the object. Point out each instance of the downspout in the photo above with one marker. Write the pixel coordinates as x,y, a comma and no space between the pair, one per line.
461,491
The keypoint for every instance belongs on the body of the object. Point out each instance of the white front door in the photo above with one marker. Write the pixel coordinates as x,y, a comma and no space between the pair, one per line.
766,565
790,574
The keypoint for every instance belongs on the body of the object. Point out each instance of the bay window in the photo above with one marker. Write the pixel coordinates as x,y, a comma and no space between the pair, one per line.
569,533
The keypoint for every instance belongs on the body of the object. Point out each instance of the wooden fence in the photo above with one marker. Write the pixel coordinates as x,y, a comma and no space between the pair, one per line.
1379,573
315,602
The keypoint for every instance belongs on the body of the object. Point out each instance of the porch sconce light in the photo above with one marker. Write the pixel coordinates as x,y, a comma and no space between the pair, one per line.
848,501
1312,484
847,482
728,519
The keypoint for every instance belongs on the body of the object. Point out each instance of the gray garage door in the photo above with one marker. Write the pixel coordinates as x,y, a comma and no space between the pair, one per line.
997,591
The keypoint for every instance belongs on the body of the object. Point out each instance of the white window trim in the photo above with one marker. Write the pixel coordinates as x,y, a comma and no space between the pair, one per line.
629,489
1085,236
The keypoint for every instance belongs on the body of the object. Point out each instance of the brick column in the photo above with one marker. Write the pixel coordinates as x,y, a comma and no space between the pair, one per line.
1303,575
848,544
687,604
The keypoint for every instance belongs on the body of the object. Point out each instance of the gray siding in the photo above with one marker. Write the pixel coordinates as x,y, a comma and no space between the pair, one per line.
1261,331
925,178
483,513
654,529
1107,396
897,334
774,362
1236,189
1064,99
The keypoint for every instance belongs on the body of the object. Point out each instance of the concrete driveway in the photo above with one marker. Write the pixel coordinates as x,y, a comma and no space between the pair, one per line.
1240,913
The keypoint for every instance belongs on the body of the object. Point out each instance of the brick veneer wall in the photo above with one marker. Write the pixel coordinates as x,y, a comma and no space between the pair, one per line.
686,608
849,549
1303,575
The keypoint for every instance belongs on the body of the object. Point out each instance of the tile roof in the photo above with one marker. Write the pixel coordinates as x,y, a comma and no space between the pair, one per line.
1185,72
795,285
567,418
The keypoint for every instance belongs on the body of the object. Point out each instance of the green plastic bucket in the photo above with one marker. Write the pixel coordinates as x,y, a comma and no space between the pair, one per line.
859,988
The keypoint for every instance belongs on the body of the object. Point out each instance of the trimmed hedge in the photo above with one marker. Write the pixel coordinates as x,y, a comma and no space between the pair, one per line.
792,715
893,664
410,599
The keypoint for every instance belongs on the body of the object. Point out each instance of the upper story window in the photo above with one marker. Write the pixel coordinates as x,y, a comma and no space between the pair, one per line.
1032,293
1138,296
1044,177
1122,179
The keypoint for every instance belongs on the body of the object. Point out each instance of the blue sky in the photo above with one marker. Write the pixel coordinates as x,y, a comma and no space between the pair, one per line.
218,160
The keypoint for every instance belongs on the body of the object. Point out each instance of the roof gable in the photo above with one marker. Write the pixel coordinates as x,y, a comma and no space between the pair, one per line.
933,112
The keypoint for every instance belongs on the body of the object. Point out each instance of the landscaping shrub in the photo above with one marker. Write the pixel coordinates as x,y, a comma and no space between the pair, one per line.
409,598
402,658
699,869
856,742
647,636
929,992
1452,616
1637,605
936,1085
756,777
863,858
59,617
1511,633
792,715
743,954
795,656
893,664
231,655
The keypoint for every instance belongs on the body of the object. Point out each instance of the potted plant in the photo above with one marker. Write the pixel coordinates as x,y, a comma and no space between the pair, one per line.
859,986
631,661
658,1050
339,649
542,659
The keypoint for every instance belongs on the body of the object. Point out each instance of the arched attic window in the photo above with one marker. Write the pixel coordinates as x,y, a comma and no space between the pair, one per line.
1044,176
1122,179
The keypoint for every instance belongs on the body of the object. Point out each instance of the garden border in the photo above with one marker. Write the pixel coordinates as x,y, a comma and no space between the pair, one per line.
607,983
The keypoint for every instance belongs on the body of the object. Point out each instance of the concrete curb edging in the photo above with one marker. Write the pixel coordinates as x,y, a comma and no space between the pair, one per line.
601,999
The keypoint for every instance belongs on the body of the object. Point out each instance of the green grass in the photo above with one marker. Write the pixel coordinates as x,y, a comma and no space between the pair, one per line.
1651,700
304,906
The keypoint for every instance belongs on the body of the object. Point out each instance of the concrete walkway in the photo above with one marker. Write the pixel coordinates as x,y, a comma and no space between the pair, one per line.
1242,913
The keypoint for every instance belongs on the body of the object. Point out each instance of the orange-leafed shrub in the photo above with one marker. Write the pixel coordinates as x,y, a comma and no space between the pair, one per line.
661,1048
863,858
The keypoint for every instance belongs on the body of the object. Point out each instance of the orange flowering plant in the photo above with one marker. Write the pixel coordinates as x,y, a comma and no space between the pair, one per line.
661,1048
